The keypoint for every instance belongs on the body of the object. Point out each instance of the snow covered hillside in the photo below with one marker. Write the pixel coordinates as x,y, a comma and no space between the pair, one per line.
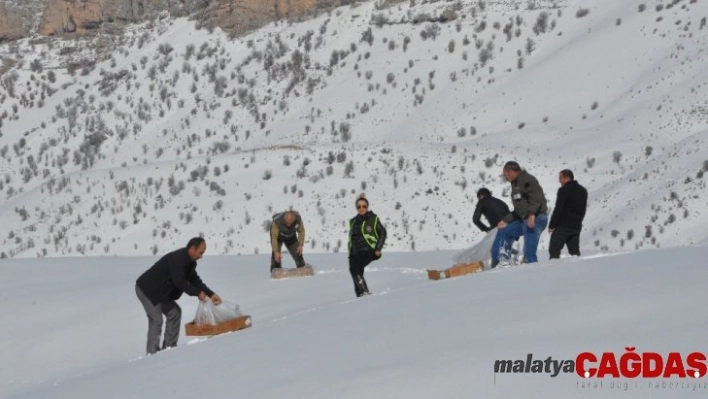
131,144
75,329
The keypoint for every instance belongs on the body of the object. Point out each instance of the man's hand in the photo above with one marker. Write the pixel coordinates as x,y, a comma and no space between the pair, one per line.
531,221
377,253
550,231
216,299
202,296
299,250
501,225
277,257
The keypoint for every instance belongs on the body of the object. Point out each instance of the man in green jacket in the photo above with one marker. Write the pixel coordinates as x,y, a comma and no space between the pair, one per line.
287,228
529,217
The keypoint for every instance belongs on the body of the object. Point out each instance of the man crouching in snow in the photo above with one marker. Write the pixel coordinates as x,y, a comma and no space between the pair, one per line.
162,284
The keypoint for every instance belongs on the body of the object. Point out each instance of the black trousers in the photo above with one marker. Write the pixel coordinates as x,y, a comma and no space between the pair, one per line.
562,236
291,244
357,263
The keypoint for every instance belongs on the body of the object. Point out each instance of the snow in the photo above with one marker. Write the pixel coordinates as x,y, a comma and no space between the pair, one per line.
643,70
617,96
78,330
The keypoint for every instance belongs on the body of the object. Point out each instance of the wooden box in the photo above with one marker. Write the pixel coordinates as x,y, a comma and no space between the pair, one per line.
456,271
295,272
236,324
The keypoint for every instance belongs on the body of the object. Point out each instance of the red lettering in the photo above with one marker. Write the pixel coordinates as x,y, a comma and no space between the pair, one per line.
608,365
580,365
697,363
674,365
630,364
647,370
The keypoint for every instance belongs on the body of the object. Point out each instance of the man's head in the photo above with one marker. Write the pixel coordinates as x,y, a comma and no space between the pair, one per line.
482,193
362,205
196,248
511,170
565,176
289,218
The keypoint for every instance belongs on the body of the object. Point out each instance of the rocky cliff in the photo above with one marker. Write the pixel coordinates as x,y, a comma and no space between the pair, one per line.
240,16
56,17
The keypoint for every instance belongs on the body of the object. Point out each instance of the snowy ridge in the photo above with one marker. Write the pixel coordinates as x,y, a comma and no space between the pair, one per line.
178,131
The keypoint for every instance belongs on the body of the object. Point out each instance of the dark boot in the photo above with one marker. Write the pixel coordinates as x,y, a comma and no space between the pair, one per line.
361,283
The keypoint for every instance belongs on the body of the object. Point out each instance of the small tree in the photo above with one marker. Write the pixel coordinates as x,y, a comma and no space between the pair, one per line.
616,157
582,12
349,169
541,23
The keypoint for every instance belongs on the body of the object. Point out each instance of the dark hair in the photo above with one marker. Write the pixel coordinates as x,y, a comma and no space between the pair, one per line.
362,197
195,242
512,165
484,191
567,173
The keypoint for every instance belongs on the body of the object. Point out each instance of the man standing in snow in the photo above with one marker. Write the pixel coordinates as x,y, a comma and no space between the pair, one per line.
530,215
367,236
568,214
162,284
287,228
493,210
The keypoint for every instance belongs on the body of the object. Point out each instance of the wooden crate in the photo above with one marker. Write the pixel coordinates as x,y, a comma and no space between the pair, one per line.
236,324
456,271
295,272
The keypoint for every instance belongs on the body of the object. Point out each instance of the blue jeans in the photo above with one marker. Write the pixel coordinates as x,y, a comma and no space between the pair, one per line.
496,245
519,228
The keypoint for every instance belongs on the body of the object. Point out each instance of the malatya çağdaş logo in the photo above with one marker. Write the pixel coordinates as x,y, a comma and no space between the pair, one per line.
630,364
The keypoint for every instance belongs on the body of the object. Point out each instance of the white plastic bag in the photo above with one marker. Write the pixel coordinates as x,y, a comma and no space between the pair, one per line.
482,251
210,314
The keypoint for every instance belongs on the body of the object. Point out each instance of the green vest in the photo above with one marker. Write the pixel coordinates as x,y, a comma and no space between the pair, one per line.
371,239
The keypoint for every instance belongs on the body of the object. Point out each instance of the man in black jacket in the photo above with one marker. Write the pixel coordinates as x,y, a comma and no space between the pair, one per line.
494,211
367,236
568,214
162,284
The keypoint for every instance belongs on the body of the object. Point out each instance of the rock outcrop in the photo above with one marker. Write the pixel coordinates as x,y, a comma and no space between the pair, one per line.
84,16
240,16
18,17
69,16
11,26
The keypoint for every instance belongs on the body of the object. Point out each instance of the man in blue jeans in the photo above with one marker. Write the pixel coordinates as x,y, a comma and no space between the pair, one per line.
529,217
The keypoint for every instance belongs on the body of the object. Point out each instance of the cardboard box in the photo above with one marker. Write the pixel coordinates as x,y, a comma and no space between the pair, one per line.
456,271
295,272
236,324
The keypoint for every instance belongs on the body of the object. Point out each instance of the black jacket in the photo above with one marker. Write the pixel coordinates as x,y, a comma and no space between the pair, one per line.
493,209
370,224
170,276
571,203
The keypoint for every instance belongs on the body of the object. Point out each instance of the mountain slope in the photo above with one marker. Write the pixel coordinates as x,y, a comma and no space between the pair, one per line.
176,131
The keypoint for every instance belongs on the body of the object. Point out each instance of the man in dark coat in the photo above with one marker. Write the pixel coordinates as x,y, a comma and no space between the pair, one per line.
568,214
530,215
494,211
367,236
161,285
287,228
